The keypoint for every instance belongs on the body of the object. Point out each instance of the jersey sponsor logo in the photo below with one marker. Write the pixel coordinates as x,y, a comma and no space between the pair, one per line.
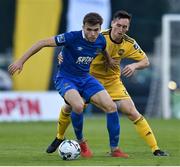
61,38
84,60
121,52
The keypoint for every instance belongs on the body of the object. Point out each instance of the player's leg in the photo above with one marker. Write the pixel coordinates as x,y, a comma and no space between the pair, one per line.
95,92
104,101
127,107
63,123
73,97
67,88
115,91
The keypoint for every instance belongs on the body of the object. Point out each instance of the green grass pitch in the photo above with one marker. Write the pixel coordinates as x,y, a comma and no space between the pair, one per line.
24,144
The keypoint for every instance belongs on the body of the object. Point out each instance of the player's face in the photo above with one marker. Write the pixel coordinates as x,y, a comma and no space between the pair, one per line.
119,27
91,32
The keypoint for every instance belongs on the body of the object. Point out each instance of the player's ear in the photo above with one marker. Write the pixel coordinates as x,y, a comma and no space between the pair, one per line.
128,25
112,22
127,28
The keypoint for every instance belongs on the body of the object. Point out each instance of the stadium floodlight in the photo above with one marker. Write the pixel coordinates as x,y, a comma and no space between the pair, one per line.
168,22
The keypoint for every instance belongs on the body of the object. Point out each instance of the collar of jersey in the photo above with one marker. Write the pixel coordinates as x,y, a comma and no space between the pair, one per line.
83,35
114,40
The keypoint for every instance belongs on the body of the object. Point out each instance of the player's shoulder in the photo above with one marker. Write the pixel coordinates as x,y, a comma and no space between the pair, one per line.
105,32
101,38
129,39
75,33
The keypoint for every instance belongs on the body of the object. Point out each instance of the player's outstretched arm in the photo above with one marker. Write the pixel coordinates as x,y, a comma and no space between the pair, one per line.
129,69
18,65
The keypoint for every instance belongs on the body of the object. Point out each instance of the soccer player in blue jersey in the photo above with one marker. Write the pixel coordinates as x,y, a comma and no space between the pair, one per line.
73,81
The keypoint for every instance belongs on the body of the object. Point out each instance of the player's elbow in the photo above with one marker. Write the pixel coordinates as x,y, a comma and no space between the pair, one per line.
146,62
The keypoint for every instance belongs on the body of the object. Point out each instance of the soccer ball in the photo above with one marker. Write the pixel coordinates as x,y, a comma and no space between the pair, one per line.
69,150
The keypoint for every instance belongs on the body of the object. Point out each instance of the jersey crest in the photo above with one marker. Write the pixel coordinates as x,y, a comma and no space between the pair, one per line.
121,52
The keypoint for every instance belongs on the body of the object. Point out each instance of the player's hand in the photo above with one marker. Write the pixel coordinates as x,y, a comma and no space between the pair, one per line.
16,66
128,70
60,58
112,63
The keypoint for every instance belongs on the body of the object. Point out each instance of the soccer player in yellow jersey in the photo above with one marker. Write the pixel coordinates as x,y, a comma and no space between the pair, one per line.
119,46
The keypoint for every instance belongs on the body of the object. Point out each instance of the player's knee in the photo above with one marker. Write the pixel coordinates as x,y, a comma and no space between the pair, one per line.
132,113
111,107
67,109
78,108
135,115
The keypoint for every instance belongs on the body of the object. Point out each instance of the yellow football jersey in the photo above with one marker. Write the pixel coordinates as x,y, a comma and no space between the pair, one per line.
110,78
128,48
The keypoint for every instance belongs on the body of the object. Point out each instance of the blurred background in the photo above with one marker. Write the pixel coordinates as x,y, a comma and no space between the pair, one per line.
31,95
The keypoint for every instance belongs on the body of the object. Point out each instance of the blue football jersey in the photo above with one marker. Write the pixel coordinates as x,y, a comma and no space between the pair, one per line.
78,53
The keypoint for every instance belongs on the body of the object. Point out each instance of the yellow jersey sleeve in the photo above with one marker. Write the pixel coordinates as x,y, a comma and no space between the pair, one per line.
133,50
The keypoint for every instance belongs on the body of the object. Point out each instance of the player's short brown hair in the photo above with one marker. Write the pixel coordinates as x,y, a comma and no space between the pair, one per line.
122,14
93,19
